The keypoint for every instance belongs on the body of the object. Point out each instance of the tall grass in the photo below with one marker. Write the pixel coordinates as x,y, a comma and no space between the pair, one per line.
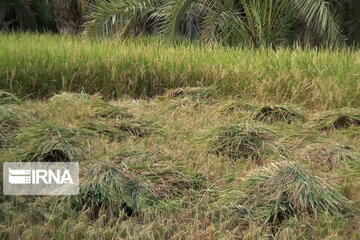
39,65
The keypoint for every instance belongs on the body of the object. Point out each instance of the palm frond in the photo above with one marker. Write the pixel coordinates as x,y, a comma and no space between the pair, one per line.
106,18
172,13
318,17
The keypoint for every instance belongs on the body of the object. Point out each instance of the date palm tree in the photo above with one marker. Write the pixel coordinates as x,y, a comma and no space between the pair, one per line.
233,22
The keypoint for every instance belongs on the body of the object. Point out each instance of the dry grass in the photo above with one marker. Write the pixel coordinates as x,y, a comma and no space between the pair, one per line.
242,141
167,177
121,129
168,186
50,143
281,191
233,105
283,113
107,189
83,106
338,119
8,98
194,93
12,117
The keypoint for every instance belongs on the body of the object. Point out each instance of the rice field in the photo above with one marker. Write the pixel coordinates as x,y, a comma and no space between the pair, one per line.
36,66
191,163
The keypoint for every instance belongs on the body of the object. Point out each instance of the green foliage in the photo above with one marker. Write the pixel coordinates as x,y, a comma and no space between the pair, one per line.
251,22
116,17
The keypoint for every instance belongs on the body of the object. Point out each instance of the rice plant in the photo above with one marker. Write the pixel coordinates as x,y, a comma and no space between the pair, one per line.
83,105
8,98
283,190
113,69
338,119
119,130
106,129
167,177
236,104
192,93
107,189
106,110
242,141
330,153
50,143
11,118
351,169
279,113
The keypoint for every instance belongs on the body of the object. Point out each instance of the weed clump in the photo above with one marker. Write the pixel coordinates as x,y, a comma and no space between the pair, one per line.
339,119
241,141
8,98
49,143
279,113
119,130
281,191
108,189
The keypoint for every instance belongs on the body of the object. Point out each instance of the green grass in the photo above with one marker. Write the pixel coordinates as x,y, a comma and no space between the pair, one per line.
38,65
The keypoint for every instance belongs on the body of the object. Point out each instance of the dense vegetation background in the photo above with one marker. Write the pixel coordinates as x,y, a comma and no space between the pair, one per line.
190,119
230,22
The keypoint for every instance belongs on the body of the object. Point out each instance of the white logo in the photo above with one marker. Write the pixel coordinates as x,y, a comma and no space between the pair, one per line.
21,176
41,178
